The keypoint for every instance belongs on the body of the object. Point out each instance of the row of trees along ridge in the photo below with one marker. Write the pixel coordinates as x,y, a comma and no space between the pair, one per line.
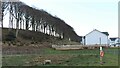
22,16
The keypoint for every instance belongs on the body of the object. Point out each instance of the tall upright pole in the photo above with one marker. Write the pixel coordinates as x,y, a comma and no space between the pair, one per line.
100,40
1,21
119,19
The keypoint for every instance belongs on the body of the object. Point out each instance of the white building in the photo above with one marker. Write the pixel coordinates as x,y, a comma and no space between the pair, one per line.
117,42
114,42
96,37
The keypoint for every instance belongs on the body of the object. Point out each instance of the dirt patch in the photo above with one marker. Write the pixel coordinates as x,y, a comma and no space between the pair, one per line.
55,59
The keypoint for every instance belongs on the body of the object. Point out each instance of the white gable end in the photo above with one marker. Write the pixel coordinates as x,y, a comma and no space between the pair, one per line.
96,37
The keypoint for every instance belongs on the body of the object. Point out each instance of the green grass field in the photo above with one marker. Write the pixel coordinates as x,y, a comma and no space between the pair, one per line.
64,58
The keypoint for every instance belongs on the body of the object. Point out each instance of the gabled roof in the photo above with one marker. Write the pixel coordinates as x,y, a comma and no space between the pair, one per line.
113,39
105,33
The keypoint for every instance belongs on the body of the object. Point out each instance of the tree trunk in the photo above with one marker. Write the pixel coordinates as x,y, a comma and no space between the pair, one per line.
1,19
17,28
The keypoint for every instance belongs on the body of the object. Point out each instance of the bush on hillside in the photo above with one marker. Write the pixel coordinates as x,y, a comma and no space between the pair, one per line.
10,36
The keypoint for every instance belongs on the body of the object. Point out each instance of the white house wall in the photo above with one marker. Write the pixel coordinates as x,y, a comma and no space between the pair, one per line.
94,38
112,43
117,42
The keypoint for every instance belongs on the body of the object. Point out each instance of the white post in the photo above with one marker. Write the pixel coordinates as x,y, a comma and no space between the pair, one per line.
100,48
101,55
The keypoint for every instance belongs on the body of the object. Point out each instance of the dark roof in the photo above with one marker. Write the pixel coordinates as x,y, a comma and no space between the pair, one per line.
113,39
106,33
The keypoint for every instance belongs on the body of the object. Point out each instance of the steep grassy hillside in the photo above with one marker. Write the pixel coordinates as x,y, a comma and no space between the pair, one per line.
27,37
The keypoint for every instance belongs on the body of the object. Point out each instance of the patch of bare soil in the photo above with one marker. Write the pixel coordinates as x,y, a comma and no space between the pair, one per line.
55,59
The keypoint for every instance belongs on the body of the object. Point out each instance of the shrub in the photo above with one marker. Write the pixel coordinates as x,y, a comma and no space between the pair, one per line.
10,36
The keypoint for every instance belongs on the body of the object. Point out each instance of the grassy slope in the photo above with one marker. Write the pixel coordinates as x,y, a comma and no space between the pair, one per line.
27,37
63,58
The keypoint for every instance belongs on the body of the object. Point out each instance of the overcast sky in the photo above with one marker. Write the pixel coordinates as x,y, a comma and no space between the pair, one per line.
83,15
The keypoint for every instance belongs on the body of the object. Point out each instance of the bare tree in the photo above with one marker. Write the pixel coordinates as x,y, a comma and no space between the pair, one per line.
39,20
4,6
